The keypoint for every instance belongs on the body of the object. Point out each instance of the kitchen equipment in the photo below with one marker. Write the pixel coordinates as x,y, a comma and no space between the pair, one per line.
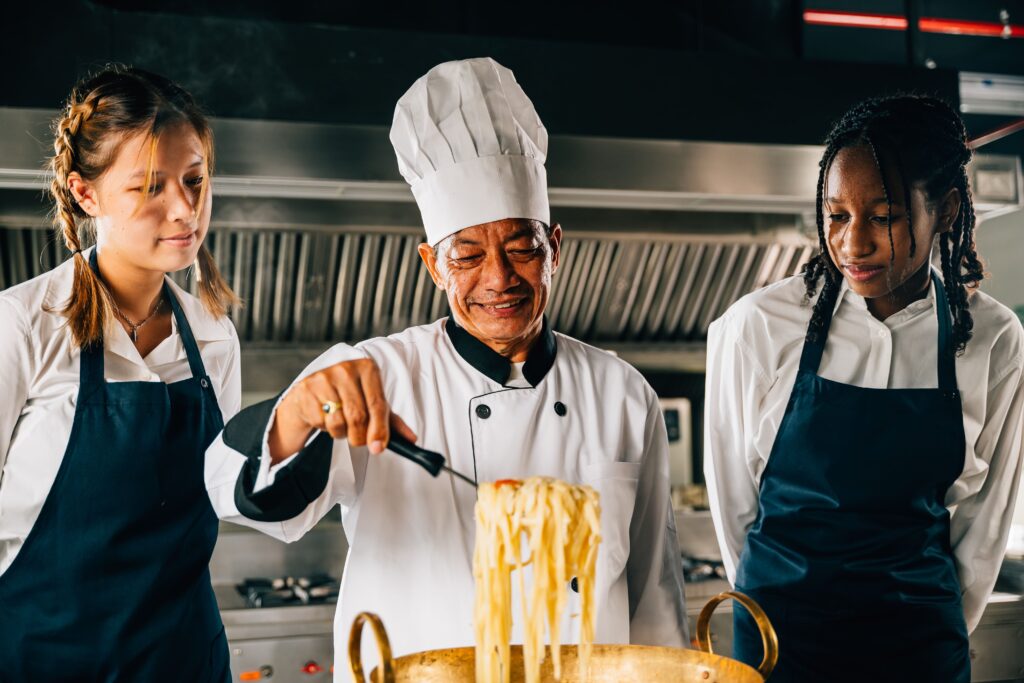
274,636
289,590
1011,577
429,460
695,570
679,428
608,663
280,628
695,533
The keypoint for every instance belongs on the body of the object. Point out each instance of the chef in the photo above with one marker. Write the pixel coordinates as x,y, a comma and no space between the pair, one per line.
492,387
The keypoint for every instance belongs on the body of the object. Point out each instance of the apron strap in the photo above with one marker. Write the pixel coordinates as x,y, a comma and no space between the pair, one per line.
195,359
90,374
947,358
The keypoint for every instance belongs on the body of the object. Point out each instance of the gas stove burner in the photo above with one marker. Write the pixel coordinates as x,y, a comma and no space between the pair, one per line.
695,570
289,590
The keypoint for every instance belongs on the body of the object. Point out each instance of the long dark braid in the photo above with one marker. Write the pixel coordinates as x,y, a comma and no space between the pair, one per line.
820,265
926,141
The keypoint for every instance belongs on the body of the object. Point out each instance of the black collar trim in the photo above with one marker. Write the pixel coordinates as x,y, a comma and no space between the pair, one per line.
495,366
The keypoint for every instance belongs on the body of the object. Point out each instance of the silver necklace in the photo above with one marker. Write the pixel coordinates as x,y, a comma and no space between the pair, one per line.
136,325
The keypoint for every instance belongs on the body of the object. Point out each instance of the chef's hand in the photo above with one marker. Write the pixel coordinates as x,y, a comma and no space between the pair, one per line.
365,418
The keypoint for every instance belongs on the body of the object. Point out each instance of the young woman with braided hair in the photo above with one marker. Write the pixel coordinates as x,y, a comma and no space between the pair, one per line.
115,383
864,421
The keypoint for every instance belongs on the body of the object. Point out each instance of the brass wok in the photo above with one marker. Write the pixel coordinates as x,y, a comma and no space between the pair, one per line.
608,663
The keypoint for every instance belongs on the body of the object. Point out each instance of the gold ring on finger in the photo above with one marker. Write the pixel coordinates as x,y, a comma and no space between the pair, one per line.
330,407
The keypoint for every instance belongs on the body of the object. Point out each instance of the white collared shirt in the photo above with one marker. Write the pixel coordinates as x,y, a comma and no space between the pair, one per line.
39,373
753,357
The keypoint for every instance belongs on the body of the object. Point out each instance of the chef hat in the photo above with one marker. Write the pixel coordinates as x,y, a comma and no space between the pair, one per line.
472,147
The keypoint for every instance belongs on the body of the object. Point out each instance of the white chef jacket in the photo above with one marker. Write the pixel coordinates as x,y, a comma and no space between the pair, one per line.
39,373
584,416
753,356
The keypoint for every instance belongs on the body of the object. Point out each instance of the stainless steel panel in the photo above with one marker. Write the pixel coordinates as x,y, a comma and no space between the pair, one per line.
285,659
718,284
593,300
656,322
341,317
997,645
259,305
705,280
243,553
284,288
695,533
384,292
243,277
356,163
362,302
985,93
689,269
652,283
406,279
570,285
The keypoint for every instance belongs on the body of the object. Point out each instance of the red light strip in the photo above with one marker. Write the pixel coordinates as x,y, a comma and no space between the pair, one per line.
895,22
959,27
891,22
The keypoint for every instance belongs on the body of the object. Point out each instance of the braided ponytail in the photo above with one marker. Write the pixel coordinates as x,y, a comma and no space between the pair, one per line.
820,265
89,306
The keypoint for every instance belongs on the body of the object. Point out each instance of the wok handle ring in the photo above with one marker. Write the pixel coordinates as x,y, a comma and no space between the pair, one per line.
355,638
769,641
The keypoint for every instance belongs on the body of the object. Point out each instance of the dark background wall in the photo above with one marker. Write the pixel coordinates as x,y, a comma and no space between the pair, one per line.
726,70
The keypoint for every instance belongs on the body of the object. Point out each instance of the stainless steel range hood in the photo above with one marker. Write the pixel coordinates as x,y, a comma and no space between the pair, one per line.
318,233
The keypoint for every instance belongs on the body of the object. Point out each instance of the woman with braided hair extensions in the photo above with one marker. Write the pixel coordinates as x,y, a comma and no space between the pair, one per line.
864,421
115,382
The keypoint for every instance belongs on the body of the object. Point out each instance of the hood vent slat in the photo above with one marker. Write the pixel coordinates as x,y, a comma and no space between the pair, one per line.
323,286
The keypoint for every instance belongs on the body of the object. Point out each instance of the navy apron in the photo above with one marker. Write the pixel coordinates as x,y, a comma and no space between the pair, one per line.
112,582
850,552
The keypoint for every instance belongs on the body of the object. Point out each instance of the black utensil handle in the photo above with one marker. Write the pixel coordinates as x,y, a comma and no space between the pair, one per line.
429,460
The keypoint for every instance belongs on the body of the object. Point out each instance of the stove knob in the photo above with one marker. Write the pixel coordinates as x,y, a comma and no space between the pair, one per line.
312,668
267,671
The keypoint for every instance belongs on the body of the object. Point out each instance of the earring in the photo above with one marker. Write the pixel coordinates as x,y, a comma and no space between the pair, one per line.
199,272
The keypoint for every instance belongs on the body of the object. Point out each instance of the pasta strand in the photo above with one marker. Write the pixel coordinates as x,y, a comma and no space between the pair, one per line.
559,524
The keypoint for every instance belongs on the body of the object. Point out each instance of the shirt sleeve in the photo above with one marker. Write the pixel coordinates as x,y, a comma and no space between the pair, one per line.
291,499
654,570
980,524
230,398
735,387
15,372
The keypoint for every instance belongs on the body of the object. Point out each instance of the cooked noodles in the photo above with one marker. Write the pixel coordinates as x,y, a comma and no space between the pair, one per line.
559,524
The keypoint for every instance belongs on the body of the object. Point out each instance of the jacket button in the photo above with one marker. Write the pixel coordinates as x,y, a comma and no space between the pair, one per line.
575,585
560,409
203,383
483,412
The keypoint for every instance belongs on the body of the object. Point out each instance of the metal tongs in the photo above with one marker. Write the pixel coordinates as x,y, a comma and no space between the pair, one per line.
429,460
